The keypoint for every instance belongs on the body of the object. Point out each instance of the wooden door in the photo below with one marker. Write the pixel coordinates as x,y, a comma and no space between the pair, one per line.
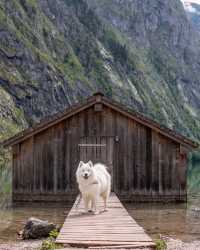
98,149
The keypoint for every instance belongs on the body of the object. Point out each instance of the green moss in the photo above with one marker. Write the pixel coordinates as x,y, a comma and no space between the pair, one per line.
5,177
32,3
72,66
115,45
8,50
164,63
8,128
161,244
2,15
54,233
49,244
13,123
10,74
193,181
72,61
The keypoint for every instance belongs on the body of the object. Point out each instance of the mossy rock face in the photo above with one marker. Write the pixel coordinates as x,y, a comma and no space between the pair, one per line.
12,117
55,53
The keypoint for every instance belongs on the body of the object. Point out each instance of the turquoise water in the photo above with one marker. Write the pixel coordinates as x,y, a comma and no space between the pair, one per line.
181,221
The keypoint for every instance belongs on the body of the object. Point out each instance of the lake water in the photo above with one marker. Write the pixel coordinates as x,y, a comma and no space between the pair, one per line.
181,221
12,219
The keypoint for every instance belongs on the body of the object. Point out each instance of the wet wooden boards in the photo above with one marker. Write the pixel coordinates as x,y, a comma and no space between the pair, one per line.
114,228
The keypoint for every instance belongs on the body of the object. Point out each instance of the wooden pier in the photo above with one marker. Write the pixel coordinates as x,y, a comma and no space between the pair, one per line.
113,229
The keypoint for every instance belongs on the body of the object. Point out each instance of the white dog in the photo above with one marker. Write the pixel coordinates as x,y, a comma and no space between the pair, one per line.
94,181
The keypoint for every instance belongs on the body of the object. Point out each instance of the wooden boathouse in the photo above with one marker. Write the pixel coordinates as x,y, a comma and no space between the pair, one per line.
147,162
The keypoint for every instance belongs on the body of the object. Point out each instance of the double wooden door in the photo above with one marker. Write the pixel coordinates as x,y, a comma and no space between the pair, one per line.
98,149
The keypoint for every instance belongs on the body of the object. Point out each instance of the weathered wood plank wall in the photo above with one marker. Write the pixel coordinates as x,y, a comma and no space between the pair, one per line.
146,165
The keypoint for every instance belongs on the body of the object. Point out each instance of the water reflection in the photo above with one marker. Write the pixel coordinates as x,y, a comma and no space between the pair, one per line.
12,219
180,221
175,220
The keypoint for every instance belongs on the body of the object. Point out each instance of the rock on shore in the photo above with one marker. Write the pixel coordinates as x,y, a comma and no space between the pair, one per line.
36,229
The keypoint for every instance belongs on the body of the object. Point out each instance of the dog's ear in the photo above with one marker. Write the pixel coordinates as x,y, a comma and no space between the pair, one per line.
90,164
80,164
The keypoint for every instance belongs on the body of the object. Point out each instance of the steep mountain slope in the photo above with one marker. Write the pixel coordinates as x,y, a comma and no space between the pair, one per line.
56,52
192,8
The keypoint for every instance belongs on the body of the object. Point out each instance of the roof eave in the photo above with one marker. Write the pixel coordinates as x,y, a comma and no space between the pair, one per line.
98,97
150,123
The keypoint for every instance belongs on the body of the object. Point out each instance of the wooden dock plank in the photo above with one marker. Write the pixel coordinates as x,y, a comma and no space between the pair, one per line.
114,228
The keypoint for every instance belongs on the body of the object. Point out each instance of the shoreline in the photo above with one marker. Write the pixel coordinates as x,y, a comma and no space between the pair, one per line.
172,244
21,245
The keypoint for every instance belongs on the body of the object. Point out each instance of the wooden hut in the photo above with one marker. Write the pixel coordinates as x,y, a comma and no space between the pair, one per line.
147,162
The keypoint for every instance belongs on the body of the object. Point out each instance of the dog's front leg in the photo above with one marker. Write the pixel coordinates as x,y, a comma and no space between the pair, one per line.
94,205
86,203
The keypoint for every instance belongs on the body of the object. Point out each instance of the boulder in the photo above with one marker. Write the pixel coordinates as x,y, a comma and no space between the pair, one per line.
36,228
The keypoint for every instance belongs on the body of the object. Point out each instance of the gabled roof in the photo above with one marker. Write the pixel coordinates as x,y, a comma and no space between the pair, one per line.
99,98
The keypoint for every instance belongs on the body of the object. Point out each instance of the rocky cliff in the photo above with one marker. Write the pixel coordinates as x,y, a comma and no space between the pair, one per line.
56,52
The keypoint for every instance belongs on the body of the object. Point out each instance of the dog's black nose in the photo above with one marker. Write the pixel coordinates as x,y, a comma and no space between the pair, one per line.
85,176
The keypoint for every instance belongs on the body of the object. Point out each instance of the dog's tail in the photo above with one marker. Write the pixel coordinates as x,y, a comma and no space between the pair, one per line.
78,201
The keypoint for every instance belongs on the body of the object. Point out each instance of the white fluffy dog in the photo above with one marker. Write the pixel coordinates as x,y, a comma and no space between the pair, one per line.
94,181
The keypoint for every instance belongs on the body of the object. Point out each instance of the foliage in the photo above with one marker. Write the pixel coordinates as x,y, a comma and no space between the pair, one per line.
195,157
54,233
161,244
5,178
119,51
86,16
5,181
48,244
193,183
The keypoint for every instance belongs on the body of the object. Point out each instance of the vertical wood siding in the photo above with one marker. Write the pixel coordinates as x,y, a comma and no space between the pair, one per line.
146,165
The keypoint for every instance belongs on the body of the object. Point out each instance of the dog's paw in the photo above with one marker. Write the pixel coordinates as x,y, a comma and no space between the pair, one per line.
84,212
96,212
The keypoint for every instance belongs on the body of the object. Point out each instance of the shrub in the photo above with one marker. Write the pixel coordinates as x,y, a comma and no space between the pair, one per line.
48,244
54,233
161,244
